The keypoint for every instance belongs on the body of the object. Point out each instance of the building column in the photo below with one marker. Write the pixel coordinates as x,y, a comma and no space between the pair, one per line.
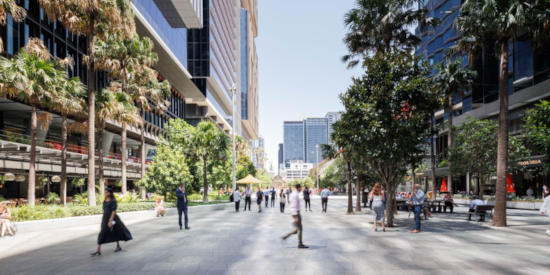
107,142
468,183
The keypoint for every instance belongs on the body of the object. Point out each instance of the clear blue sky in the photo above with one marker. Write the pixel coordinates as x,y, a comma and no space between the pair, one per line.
301,74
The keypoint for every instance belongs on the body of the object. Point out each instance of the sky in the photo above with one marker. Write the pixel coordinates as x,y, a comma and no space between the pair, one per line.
300,46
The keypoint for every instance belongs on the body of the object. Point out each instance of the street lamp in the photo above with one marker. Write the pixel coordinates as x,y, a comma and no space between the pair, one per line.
233,95
317,165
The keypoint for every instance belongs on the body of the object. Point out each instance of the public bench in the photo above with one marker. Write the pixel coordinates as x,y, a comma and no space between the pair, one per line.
481,211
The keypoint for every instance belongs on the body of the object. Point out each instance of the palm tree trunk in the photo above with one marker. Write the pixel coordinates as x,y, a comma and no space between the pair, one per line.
64,160
91,115
142,154
350,198
31,188
499,218
101,176
123,160
432,156
204,179
450,142
357,194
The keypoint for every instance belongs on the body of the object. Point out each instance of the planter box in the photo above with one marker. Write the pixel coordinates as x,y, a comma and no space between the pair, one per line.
528,205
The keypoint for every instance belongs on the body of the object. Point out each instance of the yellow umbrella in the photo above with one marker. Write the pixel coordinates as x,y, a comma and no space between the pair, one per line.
250,180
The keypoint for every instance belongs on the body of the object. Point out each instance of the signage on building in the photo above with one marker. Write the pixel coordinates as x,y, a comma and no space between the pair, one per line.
534,161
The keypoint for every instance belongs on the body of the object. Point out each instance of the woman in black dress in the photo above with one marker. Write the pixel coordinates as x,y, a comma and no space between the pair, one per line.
112,228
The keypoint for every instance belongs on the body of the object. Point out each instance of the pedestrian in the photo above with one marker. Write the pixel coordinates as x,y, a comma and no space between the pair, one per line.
247,198
112,228
5,223
377,197
288,191
160,210
530,192
295,211
237,199
307,200
182,205
266,197
545,210
259,197
273,195
324,198
545,191
282,201
365,196
417,199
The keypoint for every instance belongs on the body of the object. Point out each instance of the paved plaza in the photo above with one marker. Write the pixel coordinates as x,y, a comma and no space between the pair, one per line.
223,242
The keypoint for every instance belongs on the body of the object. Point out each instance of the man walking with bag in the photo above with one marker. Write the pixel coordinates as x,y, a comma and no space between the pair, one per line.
295,211
237,199
417,199
182,205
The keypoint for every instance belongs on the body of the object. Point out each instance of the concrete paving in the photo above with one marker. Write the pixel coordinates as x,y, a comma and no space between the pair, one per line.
223,242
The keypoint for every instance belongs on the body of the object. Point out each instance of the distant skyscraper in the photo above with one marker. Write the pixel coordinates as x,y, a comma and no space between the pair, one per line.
316,134
281,159
294,139
332,118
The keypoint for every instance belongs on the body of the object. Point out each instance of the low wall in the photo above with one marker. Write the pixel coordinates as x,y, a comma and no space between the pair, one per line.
529,205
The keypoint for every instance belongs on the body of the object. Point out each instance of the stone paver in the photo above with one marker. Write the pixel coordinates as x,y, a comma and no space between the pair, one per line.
223,242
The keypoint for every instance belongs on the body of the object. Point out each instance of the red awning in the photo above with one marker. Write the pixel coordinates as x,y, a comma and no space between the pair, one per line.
444,186
509,184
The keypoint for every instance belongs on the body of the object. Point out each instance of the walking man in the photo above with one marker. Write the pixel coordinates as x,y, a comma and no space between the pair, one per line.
307,192
237,199
266,197
417,199
295,211
247,198
182,205
324,198
259,196
273,195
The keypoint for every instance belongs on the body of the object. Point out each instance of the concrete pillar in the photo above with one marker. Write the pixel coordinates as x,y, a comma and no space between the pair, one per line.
468,183
107,142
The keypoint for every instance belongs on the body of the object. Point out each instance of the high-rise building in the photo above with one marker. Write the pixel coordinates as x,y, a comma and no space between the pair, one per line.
294,141
316,134
332,117
281,161
529,67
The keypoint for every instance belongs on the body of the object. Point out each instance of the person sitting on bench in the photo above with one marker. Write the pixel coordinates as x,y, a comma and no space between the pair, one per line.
449,202
475,202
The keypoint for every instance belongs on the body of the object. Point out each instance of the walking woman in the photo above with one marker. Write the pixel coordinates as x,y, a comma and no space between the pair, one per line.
282,202
378,207
259,196
112,228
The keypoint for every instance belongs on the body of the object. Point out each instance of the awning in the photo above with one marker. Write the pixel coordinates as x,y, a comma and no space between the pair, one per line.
250,180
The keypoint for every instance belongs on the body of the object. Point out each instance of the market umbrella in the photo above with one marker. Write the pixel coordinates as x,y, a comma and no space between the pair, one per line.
509,184
444,186
250,180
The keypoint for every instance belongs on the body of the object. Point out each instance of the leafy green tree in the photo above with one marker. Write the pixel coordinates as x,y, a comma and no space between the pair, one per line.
387,114
483,22
344,138
452,77
97,18
475,150
537,126
377,26
33,77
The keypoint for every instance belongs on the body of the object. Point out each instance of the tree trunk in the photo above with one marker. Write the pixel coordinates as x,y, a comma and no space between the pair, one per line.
413,176
31,192
479,184
204,180
91,114
357,194
123,160
499,218
64,160
450,142
350,198
432,157
142,154
390,203
101,177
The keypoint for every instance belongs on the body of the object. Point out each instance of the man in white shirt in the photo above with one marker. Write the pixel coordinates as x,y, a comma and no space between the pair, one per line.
247,198
237,199
324,198
295,211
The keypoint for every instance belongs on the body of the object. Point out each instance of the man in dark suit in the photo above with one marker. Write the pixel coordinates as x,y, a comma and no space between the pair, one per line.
182,204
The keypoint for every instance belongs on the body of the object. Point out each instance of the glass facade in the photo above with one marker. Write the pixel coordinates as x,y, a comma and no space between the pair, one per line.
294,140
244,64
174,38
316,134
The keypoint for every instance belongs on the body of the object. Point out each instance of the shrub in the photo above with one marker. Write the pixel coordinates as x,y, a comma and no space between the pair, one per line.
52,198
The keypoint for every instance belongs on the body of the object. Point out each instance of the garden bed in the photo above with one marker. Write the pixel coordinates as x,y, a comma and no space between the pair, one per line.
528,205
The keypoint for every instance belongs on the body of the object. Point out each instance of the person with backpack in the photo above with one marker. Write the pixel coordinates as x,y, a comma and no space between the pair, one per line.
273,195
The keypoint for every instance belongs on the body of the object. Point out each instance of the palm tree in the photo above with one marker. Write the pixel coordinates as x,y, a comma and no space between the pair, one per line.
68,101
17,13
93,18
31,76
484,21
208,142
450,78
375,26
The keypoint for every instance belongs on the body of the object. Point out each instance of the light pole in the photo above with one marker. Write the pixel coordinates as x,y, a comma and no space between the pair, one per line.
233,95
317,165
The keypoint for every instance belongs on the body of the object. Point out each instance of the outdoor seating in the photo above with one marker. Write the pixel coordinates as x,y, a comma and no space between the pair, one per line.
480,212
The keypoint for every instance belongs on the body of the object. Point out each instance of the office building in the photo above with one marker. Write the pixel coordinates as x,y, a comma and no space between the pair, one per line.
530,81
294,141
316,130
280,160
296,170
258,153
332,117
302,139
